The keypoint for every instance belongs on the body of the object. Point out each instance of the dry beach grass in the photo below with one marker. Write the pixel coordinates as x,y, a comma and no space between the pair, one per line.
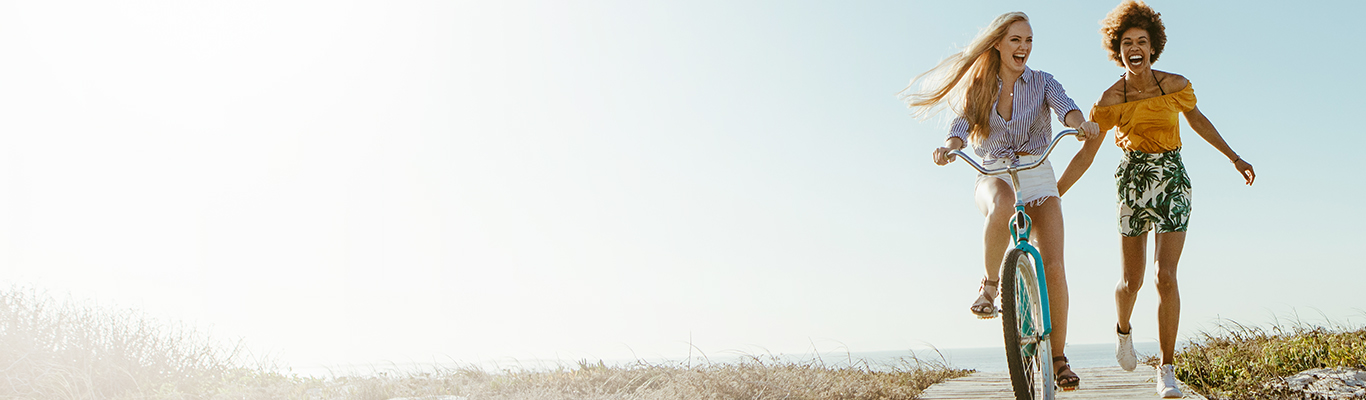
53,349
1235,361
755,378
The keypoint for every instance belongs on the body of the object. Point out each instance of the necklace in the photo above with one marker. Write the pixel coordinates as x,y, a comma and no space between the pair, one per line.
1126,82
1126,85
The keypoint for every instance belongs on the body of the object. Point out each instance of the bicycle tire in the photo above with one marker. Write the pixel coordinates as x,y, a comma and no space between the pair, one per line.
1021,312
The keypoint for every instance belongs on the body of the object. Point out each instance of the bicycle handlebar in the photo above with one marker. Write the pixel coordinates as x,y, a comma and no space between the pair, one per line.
998,171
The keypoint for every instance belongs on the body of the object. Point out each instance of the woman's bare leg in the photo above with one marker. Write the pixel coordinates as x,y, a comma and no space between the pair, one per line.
996,200
1134,250
1167,255
1048,238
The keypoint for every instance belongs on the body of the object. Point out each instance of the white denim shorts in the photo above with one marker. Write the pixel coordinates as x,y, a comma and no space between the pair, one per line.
1036,185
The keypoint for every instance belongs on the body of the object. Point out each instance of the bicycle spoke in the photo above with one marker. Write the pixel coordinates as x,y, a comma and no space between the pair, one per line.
1026,346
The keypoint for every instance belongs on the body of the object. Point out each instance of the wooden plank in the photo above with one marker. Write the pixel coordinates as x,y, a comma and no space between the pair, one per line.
1096,383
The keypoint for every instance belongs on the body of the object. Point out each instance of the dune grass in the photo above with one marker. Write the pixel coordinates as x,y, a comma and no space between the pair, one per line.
1236,361
754,378
53,349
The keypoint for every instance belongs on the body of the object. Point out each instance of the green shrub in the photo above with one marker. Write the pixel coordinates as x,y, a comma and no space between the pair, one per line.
1237,360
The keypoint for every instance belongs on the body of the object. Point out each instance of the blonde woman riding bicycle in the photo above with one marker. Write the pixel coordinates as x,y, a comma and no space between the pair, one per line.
1002,109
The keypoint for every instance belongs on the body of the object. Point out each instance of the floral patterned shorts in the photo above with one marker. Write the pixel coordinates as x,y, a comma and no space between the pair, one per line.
1153,190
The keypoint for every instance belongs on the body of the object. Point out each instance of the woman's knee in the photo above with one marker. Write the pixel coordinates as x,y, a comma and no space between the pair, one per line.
993,195
1165,280
998,217
1129,285
1000,211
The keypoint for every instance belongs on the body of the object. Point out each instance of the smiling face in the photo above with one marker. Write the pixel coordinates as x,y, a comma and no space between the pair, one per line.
1015,47
1136,49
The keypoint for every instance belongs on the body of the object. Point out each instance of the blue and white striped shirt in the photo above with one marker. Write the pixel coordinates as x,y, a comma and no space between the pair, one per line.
1029,129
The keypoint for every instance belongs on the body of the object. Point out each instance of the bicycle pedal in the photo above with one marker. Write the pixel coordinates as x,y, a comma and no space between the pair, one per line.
995,312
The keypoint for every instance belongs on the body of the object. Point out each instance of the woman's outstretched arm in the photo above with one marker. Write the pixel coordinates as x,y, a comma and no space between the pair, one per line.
1080,163
1090,133
1202,126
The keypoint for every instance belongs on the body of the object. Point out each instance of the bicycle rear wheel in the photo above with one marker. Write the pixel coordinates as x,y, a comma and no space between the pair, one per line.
1028,351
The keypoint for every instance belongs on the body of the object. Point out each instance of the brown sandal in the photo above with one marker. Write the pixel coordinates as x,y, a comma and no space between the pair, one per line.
985,306
1069,381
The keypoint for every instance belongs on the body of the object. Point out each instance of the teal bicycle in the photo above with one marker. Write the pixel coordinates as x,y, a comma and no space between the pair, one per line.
1024,295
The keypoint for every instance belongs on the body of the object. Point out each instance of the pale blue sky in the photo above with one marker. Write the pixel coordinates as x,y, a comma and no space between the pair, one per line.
358,182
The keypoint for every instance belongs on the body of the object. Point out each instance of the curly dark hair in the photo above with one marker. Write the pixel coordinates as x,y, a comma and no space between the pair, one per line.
1132,14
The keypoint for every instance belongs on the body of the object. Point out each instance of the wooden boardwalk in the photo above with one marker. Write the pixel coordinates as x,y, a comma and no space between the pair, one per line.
1096,383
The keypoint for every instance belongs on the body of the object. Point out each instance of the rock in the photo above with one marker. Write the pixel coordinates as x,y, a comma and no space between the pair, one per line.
1324,383
432,398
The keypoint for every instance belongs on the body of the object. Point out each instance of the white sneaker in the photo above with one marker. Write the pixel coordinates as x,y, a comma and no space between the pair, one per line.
1124,352
1166,383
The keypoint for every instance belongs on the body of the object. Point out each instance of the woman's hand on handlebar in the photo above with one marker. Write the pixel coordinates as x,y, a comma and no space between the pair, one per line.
1088,130
942,156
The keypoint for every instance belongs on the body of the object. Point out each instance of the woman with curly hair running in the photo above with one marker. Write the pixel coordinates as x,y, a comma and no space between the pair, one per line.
1003,111
1154,192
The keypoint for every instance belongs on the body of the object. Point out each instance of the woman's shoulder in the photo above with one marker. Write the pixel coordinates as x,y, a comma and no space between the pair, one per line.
1172,83
1039,72
1044,76
1112,96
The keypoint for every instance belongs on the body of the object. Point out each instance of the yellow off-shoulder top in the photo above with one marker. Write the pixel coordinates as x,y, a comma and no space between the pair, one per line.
1148,125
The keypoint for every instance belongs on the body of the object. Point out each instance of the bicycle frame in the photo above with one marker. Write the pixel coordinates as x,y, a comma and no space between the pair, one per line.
1020,224
1026,324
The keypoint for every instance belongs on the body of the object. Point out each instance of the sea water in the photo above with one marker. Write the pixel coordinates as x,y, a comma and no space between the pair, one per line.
994,358
980,359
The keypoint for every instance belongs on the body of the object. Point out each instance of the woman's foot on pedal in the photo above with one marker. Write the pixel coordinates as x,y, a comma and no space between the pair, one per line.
985,306
1067,380
1166,382
1124,352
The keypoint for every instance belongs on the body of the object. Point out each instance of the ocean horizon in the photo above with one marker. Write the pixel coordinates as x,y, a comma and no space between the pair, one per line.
976,358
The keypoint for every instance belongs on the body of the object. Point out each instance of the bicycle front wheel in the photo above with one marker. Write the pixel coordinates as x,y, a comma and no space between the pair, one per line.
1028,354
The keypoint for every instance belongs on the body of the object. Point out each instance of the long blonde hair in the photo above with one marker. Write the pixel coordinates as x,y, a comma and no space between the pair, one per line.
939,87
